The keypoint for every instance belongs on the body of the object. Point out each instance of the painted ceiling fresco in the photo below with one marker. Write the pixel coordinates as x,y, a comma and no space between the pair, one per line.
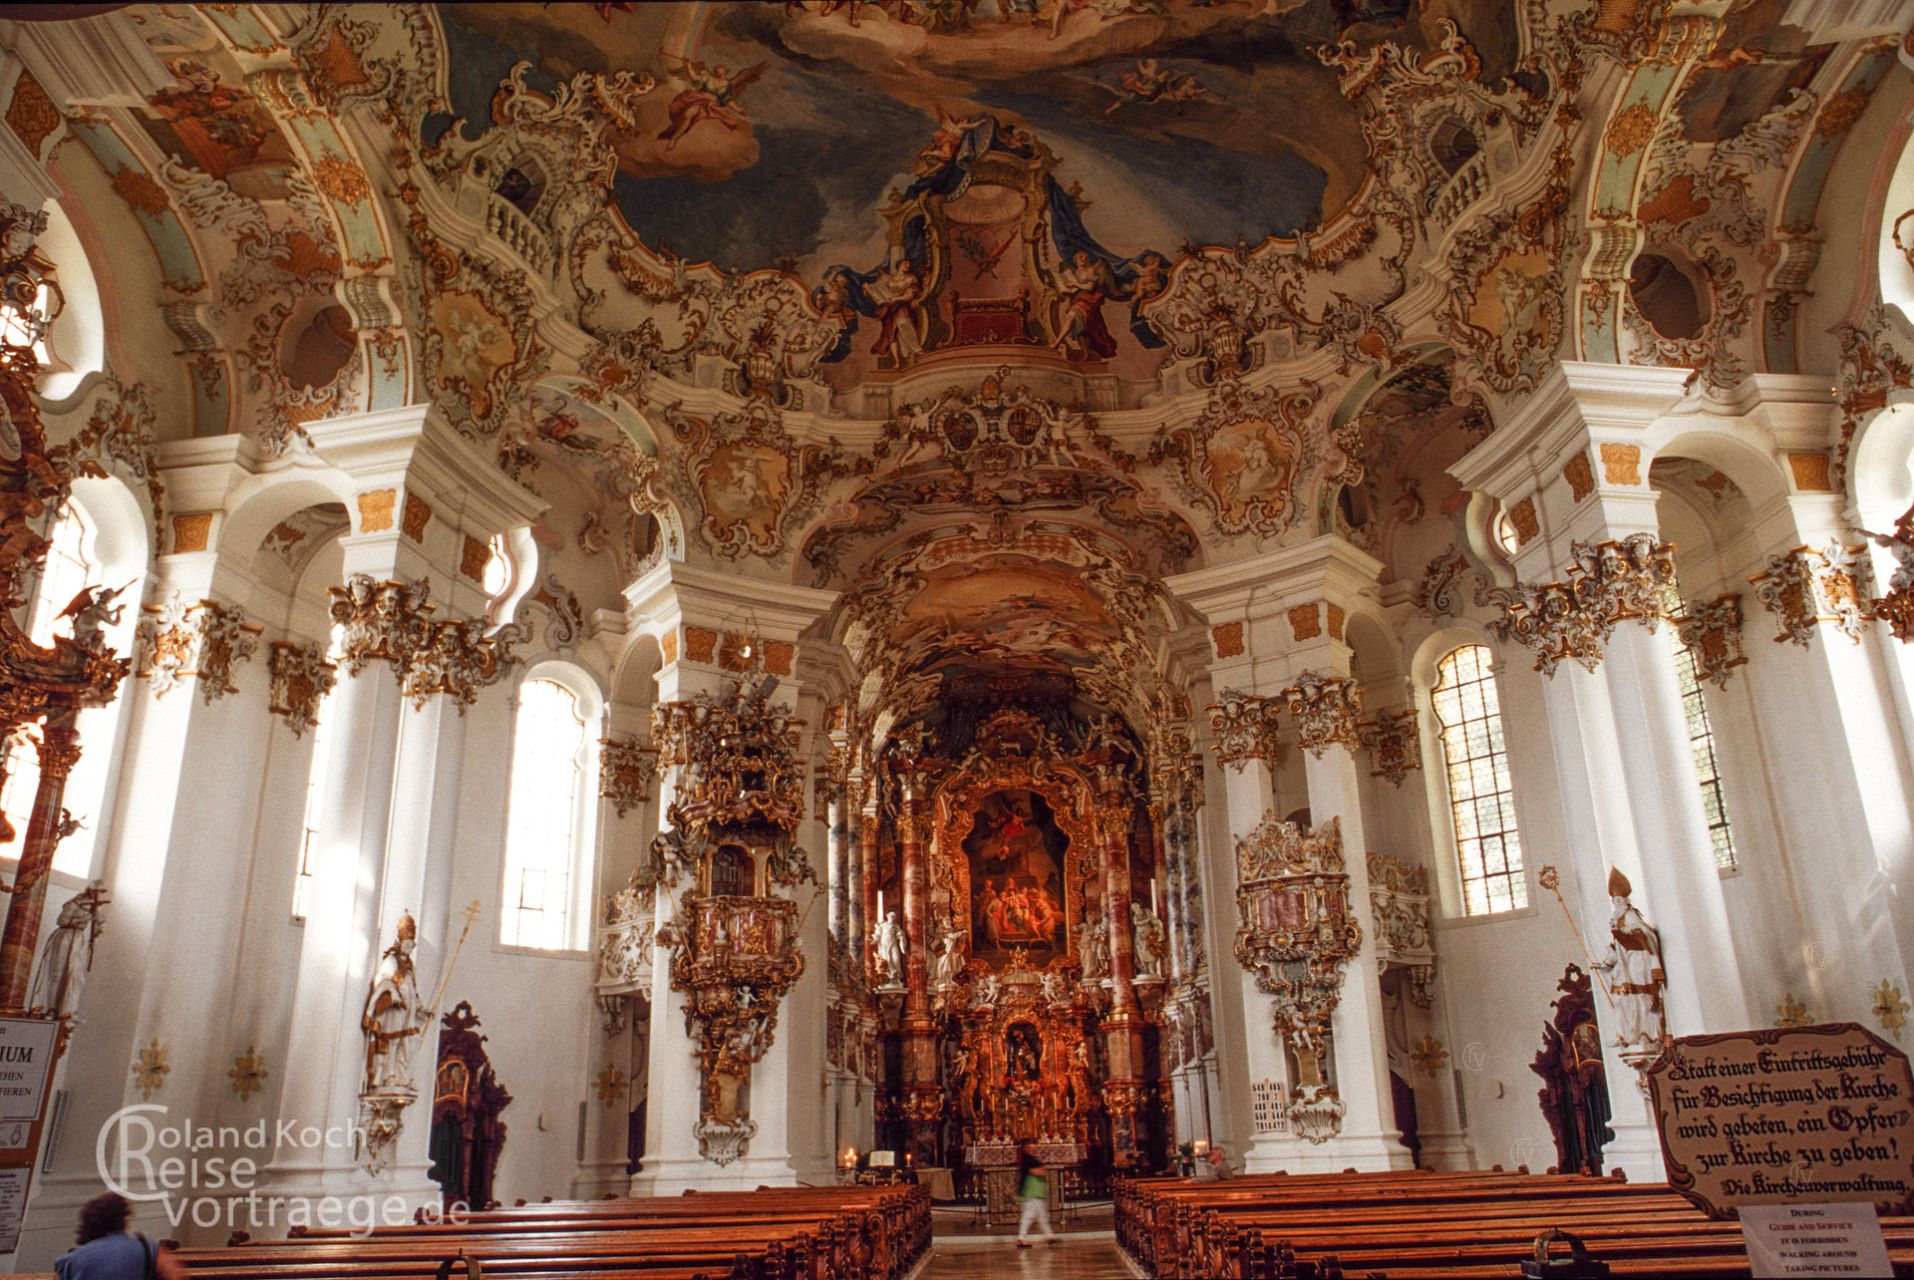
777,130
989,315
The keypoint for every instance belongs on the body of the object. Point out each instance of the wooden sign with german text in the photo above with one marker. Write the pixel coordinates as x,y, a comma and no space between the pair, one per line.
1786,1116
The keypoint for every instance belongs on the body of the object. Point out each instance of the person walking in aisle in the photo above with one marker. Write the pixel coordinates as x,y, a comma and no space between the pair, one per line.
1033,1189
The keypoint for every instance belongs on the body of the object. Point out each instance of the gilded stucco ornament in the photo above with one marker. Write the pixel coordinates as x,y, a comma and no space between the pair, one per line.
1896,608
301,679
1296,933
1608,583
204,639
391,621
626,768
458,657
1399,901
1711,630
1243,457
749,481
1246,727
1805,586
1325,709
1393,743
1875,363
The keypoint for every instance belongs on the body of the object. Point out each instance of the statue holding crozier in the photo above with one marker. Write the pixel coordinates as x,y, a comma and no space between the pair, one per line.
1634,970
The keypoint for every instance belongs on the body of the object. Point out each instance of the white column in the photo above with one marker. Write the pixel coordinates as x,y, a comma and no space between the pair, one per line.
325,1053
1369,1138
1250,795
162,970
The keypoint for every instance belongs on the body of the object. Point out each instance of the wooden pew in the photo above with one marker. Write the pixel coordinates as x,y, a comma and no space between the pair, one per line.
863,1233
1427,1226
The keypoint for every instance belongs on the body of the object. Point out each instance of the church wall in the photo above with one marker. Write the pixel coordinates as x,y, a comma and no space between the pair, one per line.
535,1008
1848,220
1497,974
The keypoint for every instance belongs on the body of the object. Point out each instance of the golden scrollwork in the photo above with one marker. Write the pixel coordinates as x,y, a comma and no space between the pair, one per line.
1807,586
1246,728
625,770
1325,709
205,639
1393,743
301,679
1711,630
1608,583
391,621
1296,934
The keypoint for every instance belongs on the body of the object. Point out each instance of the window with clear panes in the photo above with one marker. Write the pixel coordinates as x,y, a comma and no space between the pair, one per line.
1701,737
1480,791
546,827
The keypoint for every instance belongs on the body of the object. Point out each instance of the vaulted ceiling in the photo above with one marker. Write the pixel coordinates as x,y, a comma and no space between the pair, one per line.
990,316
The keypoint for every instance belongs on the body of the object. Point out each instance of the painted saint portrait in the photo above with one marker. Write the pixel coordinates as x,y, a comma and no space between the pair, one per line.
1015,852
1023,1052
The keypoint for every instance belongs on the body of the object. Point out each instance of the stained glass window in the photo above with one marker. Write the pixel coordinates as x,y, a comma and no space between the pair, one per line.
1481,795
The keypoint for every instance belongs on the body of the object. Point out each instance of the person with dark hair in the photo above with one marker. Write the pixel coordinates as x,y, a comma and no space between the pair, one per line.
106,1250
1033,1189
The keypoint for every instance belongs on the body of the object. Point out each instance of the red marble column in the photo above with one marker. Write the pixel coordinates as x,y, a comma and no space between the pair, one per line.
924,1096
59,751
867,886
910,834
1128,1091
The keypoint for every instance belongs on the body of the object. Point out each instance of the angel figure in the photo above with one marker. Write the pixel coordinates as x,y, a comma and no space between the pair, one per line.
93,611
944,144
1152,82
713,95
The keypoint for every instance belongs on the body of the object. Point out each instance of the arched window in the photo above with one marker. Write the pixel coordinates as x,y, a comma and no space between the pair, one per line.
71,564
548,836
1481,796
1701,739
306,872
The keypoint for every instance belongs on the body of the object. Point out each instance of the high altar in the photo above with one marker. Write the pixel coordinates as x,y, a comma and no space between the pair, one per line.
1033,953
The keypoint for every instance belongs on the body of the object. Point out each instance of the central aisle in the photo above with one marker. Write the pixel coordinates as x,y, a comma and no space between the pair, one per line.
1072,1258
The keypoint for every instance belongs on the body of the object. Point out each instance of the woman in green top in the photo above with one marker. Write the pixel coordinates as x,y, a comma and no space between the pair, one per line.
1033,1189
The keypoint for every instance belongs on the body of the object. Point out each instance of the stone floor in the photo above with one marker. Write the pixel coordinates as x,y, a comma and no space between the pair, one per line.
1073,1257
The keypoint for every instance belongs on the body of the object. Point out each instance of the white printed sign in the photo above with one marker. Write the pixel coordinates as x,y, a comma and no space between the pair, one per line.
1269,1106
26,1062
13,1206
1814,1240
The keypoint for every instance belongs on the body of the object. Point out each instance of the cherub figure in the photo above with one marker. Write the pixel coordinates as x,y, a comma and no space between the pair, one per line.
93,610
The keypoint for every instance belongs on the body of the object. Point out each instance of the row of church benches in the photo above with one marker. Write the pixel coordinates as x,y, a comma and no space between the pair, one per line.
782,1233
1427,1226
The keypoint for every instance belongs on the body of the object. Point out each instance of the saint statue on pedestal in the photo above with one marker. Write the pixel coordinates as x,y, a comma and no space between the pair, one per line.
887,943
393,1018
1634,970
67,954
950,962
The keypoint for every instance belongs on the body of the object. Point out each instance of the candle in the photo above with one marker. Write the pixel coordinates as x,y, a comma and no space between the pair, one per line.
880,904
1153,910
